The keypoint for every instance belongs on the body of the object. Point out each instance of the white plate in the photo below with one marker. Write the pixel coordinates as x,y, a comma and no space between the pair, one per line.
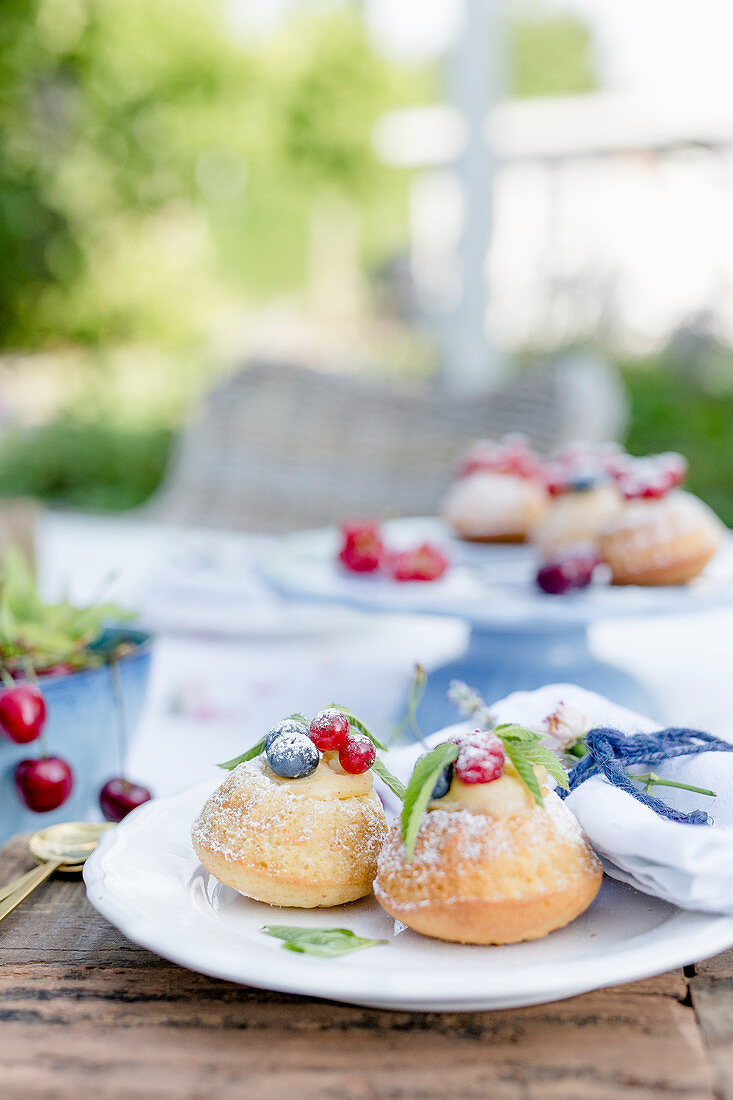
145,879
488,585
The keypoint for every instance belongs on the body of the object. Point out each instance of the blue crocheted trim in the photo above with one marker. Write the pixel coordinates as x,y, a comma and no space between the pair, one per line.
610,752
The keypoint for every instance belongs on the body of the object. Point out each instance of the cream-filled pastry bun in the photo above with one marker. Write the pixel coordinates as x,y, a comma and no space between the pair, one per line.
498,495
304,842
664,540
490,865
583,494
575,518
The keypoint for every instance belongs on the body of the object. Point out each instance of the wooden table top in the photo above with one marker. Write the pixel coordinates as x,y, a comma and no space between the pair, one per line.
86,1013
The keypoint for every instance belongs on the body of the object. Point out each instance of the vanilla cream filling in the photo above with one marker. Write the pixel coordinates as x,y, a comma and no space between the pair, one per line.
502,797
329,780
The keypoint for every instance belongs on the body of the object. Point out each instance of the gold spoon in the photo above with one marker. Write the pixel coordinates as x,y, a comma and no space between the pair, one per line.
64,848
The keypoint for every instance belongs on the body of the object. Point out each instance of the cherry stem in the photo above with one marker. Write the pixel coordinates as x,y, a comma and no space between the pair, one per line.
30,672
651,779
114,675
417,690
7,679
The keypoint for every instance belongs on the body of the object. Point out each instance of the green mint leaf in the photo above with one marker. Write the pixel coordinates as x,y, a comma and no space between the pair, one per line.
392,781
324,942
250,754
524,769
298,717
420,788
540,754
515,732
359,725
524,748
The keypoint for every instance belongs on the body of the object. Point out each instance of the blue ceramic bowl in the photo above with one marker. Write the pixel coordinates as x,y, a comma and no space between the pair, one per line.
81,727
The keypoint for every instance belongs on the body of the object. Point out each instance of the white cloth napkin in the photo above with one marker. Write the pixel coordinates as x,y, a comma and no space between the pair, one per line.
688,865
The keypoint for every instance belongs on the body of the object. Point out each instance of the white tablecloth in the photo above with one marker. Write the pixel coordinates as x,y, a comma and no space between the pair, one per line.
215,690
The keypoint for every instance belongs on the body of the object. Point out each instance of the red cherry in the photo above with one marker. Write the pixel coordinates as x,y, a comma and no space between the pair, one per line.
22,713
558,577
357,754
329,729
44,784
424,563
362,547
480,759
119,797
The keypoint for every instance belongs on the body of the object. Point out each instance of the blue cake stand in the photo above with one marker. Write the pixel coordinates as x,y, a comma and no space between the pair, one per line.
520,638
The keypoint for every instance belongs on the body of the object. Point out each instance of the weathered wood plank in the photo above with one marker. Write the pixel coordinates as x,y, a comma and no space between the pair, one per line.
174,1033
711,991
719,967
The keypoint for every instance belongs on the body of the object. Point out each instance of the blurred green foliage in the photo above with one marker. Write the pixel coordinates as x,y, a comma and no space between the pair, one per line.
83,464
549,54
147,155
670,411
154,165
155,168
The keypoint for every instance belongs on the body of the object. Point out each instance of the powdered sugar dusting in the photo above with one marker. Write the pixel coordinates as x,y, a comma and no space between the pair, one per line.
464,854
655,526
249,806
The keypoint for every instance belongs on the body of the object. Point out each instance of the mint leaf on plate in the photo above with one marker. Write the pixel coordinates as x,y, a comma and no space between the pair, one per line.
324,942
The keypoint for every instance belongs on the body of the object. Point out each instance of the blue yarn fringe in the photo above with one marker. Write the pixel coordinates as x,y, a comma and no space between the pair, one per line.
610,752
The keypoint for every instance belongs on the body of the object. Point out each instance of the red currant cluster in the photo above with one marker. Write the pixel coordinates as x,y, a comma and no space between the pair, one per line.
45,783
513,455
363,550
330,731
648,478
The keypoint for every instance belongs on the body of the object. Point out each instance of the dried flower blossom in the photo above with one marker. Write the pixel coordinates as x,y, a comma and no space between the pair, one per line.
470,704
564,727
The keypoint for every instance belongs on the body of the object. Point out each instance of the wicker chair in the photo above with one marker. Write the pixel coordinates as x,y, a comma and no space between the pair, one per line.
281,447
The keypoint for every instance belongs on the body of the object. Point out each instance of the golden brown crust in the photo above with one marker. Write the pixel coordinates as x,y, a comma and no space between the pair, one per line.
658,542
684,568
495,922
477,879
269,843
262,885
514,537
677,562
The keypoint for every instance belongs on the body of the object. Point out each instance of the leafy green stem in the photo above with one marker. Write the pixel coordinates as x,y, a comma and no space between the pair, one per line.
651,779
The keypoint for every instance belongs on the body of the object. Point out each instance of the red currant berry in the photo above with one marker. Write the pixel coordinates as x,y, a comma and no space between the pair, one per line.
44,784
22,713
424,563
357,754
118,797
329,729
362,546
480,759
